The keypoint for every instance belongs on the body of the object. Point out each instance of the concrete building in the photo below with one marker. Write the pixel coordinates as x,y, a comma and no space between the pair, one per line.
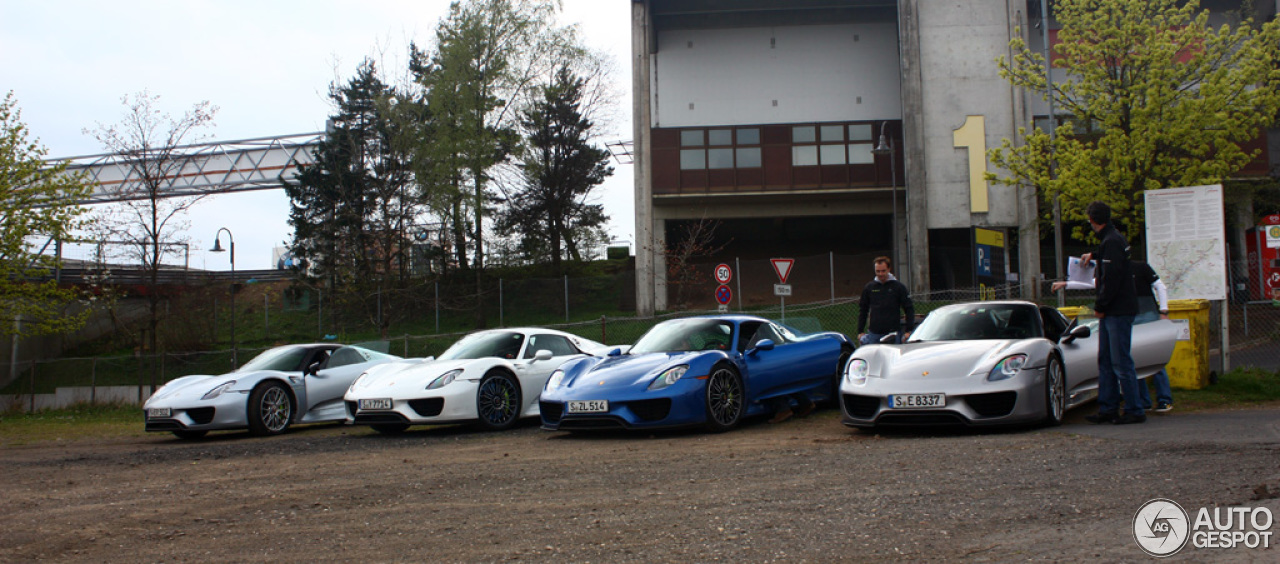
764,114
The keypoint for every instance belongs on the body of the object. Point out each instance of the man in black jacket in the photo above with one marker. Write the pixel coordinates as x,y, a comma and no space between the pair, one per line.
881,299
1116,306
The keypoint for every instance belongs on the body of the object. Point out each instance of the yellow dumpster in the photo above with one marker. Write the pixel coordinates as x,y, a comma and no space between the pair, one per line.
1188,368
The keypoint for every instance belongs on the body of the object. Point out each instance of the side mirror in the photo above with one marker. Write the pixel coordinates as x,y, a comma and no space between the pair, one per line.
889,339
313,369
615,351
1079,332
542,355
763,345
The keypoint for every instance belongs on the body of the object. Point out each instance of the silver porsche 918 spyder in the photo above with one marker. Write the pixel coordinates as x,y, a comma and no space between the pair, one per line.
279,387
986,363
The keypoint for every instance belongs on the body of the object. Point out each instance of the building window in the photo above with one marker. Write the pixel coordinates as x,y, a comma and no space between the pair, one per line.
804,155
720,158
693,159
721,151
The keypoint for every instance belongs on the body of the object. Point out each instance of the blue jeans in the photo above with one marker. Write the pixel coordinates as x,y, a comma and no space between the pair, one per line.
1115,366
1164,394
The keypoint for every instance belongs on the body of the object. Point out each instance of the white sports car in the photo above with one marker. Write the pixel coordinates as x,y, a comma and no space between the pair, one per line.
986,363
281,386
490,377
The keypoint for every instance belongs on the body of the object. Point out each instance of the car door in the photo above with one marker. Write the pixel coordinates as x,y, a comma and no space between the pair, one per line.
1152,345
790,366
533,373
343,366
1079,356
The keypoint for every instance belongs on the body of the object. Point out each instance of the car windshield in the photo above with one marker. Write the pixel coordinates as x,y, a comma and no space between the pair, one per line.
501,344
969,322
285,359
680,335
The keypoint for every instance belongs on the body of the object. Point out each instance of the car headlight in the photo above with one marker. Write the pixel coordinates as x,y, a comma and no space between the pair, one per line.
856,372
556,378
1007,368
360,382
224,387
444,379
669,377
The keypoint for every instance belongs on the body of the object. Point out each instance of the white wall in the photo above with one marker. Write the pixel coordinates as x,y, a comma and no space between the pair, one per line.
814,73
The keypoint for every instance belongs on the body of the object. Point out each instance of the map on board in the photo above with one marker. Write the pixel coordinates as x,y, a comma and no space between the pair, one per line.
1186,241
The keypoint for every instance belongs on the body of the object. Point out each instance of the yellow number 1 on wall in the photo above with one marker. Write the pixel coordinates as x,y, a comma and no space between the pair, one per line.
973,136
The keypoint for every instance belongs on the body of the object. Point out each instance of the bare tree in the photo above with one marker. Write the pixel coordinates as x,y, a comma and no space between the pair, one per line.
147,220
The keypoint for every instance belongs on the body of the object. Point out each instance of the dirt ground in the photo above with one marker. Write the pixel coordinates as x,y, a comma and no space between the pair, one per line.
805,490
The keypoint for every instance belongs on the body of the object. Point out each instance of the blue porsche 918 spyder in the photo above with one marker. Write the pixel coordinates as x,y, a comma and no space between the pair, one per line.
708,371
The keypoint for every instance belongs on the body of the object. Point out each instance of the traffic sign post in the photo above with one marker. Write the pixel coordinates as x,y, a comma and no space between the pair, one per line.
782,266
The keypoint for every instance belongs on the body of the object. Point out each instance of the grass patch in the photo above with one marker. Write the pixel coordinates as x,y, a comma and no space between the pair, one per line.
1242,387
75,423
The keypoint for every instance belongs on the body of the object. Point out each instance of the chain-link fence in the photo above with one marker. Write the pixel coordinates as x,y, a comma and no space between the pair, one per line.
825,297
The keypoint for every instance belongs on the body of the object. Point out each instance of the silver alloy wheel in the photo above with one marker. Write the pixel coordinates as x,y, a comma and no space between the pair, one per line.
276,409
724,397
1055,391
498,401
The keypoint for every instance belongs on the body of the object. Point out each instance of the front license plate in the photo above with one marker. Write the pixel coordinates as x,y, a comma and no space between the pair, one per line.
917,401
591,406
157,412
380,403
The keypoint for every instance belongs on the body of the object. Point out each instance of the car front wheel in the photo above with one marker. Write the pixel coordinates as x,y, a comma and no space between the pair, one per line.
270,409
498,401
725,398
1055,392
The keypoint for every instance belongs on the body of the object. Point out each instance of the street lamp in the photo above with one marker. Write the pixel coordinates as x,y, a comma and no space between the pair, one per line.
885,147
217,248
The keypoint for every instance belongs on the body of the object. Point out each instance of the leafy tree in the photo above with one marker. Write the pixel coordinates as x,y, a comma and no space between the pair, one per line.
489,53
560,168
352,208
150,221
37,201
1156,98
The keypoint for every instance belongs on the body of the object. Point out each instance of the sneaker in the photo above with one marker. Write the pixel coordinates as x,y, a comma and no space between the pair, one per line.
781,416
1129,418
1102,418
1164,407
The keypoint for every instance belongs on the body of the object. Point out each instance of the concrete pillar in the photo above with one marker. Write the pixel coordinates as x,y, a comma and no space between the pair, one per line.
917,212
642,39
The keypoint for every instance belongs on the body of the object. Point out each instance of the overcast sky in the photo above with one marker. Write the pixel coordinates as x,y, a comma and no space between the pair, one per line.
266,64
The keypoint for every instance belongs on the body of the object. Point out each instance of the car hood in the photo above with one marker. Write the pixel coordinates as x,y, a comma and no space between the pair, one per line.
935,360
625,371
413,376
192,388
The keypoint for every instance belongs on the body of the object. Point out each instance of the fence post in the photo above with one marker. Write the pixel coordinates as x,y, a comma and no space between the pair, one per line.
93,382
501,322
604,332
831,258
437,307
566,298
32,382
738,268
266,315
406,345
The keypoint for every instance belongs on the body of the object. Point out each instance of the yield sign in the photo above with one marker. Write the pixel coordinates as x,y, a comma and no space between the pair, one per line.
783,268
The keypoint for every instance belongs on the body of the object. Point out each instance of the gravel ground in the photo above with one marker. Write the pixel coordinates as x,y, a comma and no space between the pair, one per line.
806,490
